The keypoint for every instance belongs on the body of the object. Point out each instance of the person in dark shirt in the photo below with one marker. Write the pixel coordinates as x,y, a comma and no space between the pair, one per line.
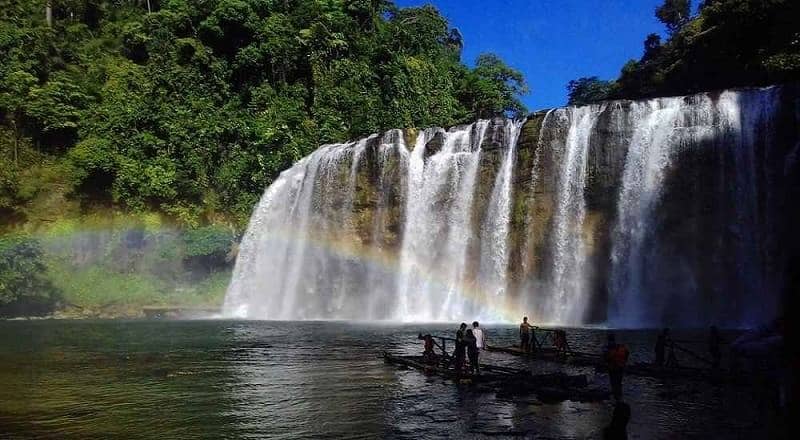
472,351
560,342
618,428
428,355
460,352
661,345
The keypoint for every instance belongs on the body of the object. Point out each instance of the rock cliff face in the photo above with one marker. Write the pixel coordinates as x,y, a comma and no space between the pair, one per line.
634,213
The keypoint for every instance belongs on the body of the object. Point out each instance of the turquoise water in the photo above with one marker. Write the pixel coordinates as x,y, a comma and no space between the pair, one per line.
252,380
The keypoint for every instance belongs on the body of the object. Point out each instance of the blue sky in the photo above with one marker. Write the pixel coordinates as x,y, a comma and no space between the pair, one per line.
552,41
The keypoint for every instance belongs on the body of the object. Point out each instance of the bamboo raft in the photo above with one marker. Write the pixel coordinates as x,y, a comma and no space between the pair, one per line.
552,355
568,356
489,372
503,381
509,383
593,360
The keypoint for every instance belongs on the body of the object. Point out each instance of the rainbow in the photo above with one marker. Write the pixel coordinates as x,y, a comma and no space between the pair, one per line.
349,246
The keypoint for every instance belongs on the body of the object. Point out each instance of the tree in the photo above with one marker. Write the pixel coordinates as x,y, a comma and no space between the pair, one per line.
652,46
588,90
190,108
24,288
208,247
493,88
674,14
455,40
55,110
13,99
730,43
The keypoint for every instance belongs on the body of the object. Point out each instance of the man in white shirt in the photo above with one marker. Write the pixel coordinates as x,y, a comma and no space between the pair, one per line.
477,332
479,338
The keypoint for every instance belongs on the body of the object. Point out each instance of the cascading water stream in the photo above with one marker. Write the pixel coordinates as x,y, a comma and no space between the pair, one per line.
567,274
631,208
438,224
384,282
648,157
493,270
527,251
647,277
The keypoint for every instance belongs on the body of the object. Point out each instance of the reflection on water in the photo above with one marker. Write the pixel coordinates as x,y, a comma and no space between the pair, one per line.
218,379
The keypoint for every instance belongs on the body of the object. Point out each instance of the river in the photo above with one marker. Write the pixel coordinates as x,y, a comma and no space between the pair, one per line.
265,379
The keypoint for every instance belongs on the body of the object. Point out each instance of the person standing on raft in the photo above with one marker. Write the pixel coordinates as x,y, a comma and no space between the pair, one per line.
616,358
560,342
460,352
662,342
472,351
525,335
480,340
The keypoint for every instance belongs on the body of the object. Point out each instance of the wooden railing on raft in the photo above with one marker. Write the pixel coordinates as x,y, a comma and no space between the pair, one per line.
549,339
547,352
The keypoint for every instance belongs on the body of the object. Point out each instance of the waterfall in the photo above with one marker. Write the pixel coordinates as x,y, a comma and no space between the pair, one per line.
493,270
383,283
649,156
297,258
632,213
569,255
263,253
653,283
437,227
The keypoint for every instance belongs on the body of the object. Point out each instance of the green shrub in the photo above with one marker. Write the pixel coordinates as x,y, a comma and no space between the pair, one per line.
24,287
208,248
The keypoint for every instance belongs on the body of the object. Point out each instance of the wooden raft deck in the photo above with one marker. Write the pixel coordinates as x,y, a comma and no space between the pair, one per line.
509,382
637,369
488,372
552,355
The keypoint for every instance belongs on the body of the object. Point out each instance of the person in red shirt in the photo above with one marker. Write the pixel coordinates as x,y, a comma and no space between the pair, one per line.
616,358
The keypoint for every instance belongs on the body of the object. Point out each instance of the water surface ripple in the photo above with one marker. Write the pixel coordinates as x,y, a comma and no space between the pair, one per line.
290,380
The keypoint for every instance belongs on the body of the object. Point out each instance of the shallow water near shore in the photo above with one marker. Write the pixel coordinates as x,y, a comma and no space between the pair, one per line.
259,379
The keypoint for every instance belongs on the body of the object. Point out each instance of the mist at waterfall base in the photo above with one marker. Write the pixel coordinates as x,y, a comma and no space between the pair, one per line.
625,213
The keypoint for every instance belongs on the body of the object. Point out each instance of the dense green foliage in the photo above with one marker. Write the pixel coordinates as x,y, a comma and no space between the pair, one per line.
208,247
191,109
587,90
674,14
23,286
729,43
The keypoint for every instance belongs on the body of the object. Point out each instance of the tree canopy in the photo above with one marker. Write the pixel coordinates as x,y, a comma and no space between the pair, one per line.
674,14
728,43
23,286
587,90
191,108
